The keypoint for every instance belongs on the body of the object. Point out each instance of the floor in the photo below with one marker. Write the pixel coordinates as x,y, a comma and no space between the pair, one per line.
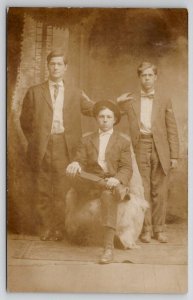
36,266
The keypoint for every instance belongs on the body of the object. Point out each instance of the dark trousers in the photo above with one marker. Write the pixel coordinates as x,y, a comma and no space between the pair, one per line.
88,187
52,184
155,184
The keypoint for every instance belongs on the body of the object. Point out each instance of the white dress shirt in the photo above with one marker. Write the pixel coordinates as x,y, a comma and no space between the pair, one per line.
58,103
146,112
103,141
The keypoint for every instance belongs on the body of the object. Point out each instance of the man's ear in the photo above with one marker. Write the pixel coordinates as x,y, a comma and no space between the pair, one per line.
66,67
115,121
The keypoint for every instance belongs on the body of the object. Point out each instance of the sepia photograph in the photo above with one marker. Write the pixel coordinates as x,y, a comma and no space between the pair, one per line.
97,150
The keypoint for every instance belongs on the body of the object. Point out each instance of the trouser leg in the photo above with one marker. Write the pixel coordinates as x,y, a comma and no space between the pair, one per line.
44,199
109,202
143,158
109,206
159,190
155,185
60,181
52,184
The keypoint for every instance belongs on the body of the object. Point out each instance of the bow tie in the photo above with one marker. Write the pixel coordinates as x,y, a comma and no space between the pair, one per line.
148,95
105,133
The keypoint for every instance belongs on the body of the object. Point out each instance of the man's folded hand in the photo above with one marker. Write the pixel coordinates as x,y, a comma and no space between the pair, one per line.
73,168
111,182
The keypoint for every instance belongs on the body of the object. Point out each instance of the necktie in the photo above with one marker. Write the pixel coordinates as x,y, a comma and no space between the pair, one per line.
56,90
147,95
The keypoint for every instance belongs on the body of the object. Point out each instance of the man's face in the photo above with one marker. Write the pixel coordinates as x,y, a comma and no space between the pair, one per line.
106,119
147,79
57,68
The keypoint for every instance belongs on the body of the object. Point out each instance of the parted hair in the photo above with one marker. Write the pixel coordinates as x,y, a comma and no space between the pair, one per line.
57,53
146,65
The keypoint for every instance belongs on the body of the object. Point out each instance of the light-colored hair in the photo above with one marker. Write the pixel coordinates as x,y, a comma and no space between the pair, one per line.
146,65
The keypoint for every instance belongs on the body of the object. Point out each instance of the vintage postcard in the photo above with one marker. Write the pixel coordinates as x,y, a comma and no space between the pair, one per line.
97,139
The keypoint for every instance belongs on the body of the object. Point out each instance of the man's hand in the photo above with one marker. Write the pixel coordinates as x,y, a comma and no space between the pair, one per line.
125,97
73,169
84,95
111,182
173,163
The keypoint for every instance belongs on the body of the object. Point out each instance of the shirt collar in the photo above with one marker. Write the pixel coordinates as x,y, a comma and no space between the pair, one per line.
53,83
109,132
150,94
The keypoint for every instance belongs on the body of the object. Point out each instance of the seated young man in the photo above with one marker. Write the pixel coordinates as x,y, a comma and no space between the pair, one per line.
103,163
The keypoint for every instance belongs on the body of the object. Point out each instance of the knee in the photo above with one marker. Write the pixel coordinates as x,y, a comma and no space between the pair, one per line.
106,194
107,198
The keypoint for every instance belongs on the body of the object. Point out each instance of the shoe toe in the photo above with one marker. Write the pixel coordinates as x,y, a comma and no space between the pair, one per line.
161,237
46,235
107,257
146,237
58,236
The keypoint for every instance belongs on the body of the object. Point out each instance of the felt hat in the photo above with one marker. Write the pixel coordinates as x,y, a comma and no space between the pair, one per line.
98,106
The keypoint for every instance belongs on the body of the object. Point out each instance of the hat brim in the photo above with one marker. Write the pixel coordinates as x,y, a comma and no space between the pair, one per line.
107,104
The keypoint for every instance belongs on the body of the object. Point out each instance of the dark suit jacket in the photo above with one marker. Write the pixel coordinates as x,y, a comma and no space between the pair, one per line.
118,156
36,120
164,127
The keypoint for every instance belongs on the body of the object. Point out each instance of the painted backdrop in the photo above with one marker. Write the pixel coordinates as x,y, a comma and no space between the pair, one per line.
104,48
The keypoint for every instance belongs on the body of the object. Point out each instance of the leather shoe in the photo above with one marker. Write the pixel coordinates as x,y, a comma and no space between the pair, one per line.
46,235
161,237
107,256
57,235
146,237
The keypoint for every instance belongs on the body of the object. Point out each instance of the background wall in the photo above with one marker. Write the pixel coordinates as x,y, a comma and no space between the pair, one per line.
104,47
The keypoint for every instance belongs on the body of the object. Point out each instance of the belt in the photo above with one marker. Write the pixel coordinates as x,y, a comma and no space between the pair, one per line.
61,133
146,136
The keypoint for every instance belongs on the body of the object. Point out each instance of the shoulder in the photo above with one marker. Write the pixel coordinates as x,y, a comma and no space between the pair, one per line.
88,136
71,86
163,96
123,138
38,87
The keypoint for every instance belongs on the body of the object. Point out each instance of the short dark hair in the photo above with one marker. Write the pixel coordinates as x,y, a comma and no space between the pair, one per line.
57,53
146,65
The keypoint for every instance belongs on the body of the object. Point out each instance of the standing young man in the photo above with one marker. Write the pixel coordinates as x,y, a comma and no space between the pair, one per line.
154,136
103,163
51,122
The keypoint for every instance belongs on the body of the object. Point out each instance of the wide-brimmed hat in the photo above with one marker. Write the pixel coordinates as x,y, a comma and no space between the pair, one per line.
107,104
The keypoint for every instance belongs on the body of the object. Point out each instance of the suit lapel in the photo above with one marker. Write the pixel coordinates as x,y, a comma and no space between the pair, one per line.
111,142
95,141
155,108
136,104
46,94
69,101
